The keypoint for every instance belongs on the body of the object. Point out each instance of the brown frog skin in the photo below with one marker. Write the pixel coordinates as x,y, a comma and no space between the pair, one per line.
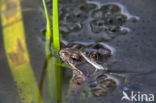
85,62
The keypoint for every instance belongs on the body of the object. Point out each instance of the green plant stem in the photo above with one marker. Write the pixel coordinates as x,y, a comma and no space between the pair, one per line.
54,71
48,34
56,39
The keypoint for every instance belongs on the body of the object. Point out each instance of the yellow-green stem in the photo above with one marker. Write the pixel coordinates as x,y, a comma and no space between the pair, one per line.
56,39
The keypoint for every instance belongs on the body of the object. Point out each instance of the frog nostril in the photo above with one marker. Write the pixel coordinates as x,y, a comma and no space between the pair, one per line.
63,54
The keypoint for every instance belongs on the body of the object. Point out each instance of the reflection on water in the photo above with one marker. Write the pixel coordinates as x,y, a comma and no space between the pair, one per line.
51,80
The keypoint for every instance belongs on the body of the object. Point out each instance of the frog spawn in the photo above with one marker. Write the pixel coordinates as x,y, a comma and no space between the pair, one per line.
71,17
109,20
101,21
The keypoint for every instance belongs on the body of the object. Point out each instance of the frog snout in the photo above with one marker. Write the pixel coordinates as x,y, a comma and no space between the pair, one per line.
63,54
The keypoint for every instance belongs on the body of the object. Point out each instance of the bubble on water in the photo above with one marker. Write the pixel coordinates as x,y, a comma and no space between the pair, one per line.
134,19
124,30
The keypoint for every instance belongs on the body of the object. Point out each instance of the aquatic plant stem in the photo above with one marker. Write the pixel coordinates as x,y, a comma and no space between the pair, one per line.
56,37
56,48
54,71
48,34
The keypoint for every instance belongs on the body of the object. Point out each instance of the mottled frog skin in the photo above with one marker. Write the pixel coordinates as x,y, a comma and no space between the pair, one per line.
86,63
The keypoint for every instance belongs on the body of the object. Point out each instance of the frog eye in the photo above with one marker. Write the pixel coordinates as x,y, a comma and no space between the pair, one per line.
94,54
75,57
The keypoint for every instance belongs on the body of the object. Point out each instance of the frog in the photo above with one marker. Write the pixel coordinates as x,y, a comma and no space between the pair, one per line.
86,64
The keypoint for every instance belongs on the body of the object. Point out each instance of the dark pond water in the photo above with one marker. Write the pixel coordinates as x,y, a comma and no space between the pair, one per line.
128,26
